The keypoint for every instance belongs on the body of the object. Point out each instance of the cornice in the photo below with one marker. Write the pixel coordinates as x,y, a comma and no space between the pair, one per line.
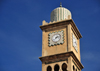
60,57
62,23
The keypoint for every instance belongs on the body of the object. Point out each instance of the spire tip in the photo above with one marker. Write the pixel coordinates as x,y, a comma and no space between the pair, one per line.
60,4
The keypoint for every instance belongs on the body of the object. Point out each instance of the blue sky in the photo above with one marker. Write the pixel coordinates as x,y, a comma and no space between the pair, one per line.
21,37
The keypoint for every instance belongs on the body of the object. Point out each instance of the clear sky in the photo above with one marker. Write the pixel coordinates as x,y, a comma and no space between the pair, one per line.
21,37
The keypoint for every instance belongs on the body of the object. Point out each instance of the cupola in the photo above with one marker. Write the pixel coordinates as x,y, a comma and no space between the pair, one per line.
60,13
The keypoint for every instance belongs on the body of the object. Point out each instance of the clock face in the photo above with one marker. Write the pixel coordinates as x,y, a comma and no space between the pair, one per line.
56,37
75,42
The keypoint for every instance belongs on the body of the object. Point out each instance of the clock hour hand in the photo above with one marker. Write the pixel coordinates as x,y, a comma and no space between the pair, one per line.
56,37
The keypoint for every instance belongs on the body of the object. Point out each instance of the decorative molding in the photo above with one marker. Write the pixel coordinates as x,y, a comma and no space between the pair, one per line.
62,23
61,56
76,65
50,36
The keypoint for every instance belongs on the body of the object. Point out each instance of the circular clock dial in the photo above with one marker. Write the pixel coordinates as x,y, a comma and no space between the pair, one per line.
75,42
56,37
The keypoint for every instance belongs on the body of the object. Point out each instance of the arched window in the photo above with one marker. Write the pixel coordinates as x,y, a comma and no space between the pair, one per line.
76,69
64,67
56,68
73,68
49,68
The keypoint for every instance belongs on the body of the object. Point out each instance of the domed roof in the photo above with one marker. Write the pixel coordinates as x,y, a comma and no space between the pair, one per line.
60,13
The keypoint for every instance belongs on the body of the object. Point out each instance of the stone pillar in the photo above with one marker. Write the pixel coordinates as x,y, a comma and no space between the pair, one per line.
70,68
43,67
69,37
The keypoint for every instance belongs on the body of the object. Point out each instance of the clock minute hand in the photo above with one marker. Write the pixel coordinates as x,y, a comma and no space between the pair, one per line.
56,37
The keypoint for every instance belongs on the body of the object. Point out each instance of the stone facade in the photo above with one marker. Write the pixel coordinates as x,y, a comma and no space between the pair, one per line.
64,53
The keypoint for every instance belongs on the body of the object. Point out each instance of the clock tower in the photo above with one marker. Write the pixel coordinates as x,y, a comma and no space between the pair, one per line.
60,42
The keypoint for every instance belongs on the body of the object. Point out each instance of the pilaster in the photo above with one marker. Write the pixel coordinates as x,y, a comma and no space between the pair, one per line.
69,37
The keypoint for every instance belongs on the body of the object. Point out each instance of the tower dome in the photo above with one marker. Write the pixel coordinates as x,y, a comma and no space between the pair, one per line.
60,13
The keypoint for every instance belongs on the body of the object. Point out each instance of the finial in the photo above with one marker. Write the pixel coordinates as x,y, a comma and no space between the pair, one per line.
60,4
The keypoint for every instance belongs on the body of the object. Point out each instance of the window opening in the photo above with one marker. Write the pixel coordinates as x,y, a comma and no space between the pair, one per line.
56,68
49,68
73,68
64,67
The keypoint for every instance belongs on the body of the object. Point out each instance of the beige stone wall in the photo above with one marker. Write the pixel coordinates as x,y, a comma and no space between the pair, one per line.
67,46
56,49
62,48
70,68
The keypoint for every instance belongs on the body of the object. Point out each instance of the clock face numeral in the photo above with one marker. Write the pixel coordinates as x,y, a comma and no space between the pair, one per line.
75,42
56,38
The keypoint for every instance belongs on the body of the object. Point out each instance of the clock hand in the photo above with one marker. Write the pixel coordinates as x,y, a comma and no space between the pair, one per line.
56,37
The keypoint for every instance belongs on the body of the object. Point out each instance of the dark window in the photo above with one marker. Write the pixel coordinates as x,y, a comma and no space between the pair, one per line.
64,67
73,68
56,68
49,68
